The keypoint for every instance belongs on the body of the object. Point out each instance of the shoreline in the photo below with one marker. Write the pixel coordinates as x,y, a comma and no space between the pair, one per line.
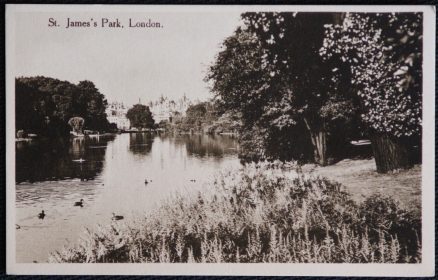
233,210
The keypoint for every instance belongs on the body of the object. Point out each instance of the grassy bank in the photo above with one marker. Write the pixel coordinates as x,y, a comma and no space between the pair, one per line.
360,179
261,213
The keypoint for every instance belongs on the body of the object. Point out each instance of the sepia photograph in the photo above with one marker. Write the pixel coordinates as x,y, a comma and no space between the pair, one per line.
251,136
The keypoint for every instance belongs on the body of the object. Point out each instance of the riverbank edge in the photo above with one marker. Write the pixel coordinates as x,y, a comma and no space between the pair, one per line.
29,139
214,219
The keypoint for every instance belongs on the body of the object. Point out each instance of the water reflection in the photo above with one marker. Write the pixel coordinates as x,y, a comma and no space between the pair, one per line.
140,143
60,159
53,178
206,146
210,146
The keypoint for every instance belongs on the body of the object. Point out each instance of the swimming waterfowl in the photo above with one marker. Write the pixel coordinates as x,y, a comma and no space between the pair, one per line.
41,215
79,203
117,217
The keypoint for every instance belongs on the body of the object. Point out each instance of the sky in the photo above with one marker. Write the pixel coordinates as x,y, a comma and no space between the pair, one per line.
125,64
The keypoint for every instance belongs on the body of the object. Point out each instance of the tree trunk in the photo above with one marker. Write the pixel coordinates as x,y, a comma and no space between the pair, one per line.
319,142
390,153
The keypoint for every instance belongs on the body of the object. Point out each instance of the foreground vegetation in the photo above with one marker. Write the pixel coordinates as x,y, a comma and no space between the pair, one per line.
260,213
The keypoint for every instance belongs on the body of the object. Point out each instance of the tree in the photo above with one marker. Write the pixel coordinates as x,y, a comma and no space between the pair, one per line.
45,105
140,116
94,104
199,115
383,52
195,115
77,124
271,72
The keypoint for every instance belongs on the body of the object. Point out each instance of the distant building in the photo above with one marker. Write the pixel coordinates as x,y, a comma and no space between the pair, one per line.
164,108
116,113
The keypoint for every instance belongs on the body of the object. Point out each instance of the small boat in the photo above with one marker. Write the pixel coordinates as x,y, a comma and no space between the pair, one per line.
79,160
23,139
361,142
79,203
17,226
117,217
41,215
93,135
76,134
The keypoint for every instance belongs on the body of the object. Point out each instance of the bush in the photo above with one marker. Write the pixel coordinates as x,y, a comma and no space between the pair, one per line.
261,213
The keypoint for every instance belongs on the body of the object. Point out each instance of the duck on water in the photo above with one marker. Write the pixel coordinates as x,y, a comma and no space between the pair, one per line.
116,217
79,203
41,215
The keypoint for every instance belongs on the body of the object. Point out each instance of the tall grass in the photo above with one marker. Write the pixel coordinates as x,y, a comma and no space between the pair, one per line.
260,213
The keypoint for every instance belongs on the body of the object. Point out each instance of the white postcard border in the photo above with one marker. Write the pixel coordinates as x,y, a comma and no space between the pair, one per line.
426,268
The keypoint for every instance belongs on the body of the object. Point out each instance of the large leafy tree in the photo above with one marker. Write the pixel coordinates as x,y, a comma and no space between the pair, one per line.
271,72
93,104
200,115
45,105
195,115
384,55
77,124
140,116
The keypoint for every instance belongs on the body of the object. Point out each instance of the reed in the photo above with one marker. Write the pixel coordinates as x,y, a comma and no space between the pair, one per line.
260,213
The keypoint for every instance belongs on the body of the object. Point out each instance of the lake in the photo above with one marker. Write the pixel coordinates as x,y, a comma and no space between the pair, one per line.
109,174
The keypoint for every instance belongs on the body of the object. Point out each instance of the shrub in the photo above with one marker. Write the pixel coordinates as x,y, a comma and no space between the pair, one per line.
261,213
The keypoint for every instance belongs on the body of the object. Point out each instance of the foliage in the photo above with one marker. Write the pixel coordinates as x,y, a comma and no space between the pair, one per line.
279,82
384,55
196,112
203,117
76,123
140,116
199,115
163,124
228,122
261,213
258,143
45,105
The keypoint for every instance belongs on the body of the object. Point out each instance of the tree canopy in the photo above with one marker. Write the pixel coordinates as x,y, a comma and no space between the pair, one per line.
384,53
45,105
140,116
384,56
305,84
76,123
271,72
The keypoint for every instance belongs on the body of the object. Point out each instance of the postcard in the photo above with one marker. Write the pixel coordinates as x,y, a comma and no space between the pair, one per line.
220,140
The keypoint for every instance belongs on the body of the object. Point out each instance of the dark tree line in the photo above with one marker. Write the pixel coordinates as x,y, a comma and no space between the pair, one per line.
45,105
305,84
198,117
202,117
140,117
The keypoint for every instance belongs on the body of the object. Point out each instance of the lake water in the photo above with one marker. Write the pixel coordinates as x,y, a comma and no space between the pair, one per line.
110,178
